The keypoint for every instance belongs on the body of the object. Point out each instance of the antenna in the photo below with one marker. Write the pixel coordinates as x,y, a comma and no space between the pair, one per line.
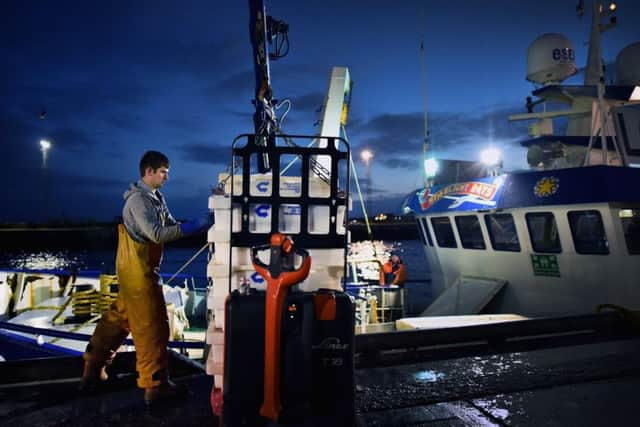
425,142
594,75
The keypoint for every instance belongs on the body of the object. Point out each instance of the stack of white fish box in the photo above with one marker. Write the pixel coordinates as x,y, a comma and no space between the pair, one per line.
231,268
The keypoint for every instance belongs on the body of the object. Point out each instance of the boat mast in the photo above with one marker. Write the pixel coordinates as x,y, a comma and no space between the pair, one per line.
425,141
594,76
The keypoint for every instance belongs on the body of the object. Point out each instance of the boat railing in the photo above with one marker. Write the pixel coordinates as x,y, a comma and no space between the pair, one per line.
31,330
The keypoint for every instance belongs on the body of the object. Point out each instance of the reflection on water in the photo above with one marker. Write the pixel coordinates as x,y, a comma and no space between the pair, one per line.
57,260
45,260
174,258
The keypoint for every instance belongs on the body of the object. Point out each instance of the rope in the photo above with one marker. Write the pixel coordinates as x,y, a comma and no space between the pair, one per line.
355,177
186,264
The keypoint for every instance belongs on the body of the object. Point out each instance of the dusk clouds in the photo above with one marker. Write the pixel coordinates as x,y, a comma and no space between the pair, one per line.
118,78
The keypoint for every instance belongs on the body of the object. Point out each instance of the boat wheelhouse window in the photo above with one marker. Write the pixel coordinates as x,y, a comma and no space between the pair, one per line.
543,232
470,232
502,232
443,232
588,232
630,219
426,231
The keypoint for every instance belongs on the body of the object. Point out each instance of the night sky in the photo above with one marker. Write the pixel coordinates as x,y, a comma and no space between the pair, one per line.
118,78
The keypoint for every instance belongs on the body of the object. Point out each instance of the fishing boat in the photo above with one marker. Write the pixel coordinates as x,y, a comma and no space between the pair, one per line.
54,312
560,238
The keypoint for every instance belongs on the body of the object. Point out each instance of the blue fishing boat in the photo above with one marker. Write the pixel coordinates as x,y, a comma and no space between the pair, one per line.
564,236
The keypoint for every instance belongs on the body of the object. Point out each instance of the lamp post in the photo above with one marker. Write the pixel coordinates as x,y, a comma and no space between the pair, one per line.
45,145
366,156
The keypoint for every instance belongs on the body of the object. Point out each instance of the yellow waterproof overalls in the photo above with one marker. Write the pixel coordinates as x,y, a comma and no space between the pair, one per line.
139,309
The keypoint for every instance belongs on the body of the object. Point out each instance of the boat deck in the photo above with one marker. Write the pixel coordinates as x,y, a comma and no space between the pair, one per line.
588,385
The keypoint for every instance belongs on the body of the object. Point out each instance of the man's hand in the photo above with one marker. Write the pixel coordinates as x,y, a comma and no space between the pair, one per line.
194,226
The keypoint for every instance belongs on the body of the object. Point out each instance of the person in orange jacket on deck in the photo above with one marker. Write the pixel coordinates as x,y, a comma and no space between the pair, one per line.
140,307
393,272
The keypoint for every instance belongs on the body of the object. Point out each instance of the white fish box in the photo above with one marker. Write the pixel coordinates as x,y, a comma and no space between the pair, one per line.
240,256
219,233
260,213
326,257
218,271
217,300
289,219
217,351
223,219
213,367
219,202
219,318
214,335
290,186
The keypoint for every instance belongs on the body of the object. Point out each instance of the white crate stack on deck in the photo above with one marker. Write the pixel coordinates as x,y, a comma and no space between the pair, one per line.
326,264
218,274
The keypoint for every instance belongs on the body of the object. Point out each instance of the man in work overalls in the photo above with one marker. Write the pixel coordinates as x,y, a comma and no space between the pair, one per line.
140,307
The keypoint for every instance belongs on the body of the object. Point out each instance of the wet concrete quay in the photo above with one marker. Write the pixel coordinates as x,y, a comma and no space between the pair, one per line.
578,385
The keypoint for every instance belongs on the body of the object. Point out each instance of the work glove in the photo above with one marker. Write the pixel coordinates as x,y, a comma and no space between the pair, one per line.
194,226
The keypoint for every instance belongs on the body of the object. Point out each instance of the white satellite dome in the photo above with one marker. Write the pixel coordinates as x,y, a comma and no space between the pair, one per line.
551,58
628,65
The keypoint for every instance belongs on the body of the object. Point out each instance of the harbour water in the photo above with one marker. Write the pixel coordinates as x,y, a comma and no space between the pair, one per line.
103,260
174,258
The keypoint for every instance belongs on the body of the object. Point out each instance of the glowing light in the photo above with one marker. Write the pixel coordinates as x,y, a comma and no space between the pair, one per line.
613,6
491,156
44,145
628,213
366,156
431,167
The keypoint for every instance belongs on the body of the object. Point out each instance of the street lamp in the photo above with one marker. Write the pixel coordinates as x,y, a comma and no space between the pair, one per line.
45,145
366,155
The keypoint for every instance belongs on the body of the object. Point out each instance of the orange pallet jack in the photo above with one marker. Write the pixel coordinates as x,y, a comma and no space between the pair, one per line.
280,276
284,370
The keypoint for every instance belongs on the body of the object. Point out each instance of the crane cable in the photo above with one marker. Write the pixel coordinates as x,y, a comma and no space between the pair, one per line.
355,177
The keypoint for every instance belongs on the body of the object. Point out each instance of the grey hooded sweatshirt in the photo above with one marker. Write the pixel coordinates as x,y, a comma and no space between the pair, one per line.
146,215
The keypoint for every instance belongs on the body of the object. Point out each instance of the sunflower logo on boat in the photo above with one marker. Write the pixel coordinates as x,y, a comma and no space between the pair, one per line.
547,186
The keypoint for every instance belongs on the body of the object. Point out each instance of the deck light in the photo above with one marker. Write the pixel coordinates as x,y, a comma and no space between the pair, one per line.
431,167
491,156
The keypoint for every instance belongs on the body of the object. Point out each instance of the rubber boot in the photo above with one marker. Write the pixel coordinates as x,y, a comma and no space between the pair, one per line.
164,393
93,378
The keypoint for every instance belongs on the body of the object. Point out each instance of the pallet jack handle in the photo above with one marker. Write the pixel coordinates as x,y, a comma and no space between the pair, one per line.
280,275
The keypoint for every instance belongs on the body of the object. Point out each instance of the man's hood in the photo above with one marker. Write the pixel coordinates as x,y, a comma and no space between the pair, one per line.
137,187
